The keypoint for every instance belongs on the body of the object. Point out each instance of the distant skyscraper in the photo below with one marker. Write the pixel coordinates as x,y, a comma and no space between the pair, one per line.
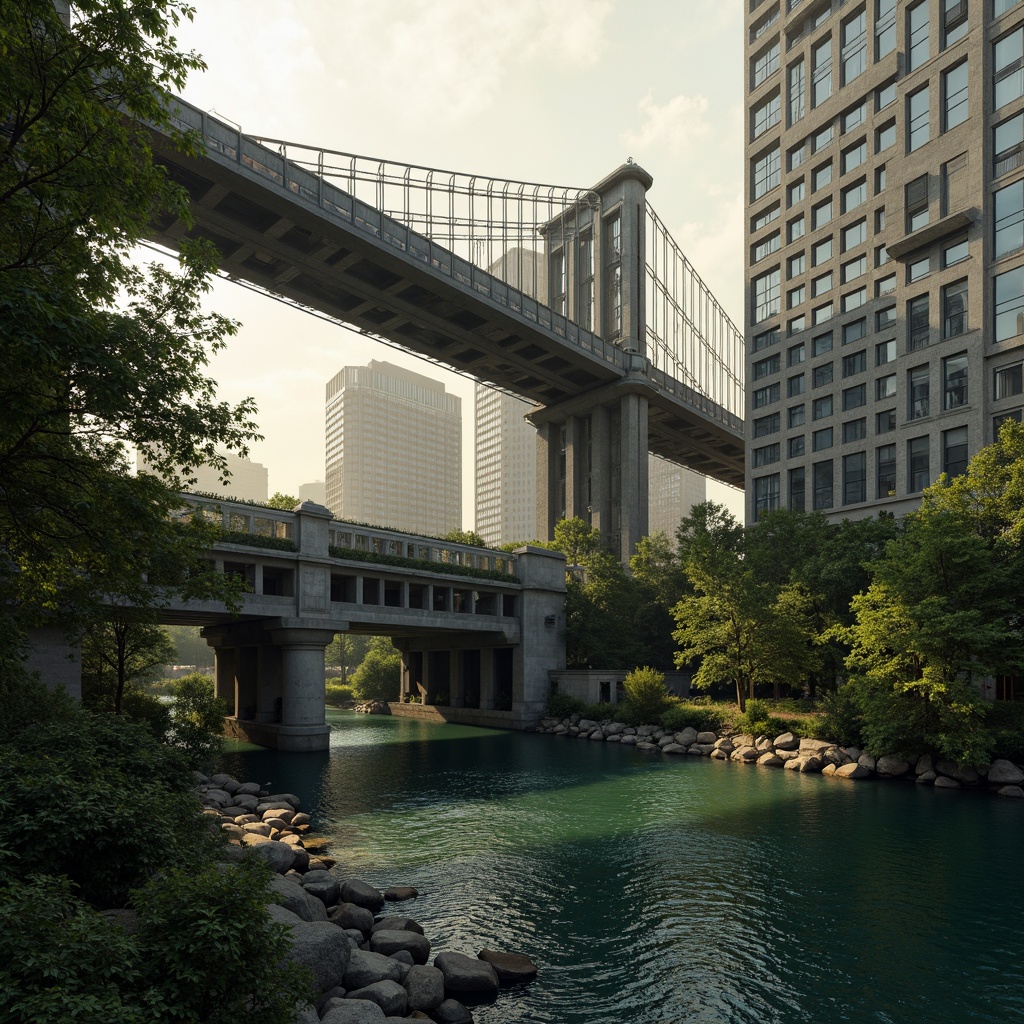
314,491
248,479
394,449
673,492
506,468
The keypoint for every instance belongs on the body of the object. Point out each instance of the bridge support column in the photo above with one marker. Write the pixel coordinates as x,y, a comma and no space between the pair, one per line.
268,683
455,688
549,472
487,697
634,500
303,723
246,659
224,675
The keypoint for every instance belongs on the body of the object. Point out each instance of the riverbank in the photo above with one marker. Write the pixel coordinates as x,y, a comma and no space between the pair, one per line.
787,751
366,967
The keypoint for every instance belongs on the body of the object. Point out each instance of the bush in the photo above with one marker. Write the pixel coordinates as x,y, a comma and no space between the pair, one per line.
646,693
379,676
841,720
561,705
197,719
702,717
759,721
339,694
1006,722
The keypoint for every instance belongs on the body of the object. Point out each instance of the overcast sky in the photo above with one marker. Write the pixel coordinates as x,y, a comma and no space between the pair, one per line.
555,91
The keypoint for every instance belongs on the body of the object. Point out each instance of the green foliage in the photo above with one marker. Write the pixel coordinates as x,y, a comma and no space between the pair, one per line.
423,564
197,719
758,720
339,694
702,717
285,502
92,796
841,719
470,537
561,705
379,676
646,693
189,647
1005,720
257,540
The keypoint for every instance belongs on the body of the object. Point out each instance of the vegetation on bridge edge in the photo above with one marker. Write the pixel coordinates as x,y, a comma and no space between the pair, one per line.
422,565
257,540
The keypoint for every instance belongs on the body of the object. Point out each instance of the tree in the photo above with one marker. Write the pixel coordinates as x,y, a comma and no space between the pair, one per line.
126,649
197,719
379,676
285,502
465,537
347,651
98,354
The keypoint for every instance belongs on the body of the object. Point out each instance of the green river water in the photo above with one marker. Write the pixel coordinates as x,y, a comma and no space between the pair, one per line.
650,889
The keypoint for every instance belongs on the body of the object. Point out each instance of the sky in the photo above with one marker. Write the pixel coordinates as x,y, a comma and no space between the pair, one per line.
553,91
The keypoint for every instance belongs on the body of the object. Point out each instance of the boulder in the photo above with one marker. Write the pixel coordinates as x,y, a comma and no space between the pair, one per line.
725,745
744,739
706,737
614,728
829,769
424,987
362,894
257,828
401,924
666,741
366,968
686,737
1003,772
586,725
674,748
809,745
281,915
613,739
745,753
925,763
391,941
787,755
813,763
322,948
400,893
945,782
642,745
323,885
702,748
272,805
404,958
511,968
628,740
280,856
388,995
290,799
301,862
719,755
1011,791
348,915
248,788
926,777
852,770
764,744
867,761
451,1011
770,760
465,973
793,764
284,814
962,773
221,779
891,766
217,796
597,735
353,1011
291,896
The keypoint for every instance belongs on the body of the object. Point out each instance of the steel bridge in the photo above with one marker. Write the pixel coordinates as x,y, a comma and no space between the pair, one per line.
575,299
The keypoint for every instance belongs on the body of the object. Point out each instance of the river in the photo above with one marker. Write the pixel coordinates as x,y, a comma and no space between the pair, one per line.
650,889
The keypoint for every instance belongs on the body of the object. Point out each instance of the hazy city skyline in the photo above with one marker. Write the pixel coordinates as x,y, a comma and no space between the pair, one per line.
561,93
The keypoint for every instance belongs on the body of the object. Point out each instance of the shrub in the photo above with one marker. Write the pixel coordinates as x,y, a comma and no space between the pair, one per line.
605,711
1006,722
561,705
759,721
197,719
646,693
339,694
841,720
702,717
379,676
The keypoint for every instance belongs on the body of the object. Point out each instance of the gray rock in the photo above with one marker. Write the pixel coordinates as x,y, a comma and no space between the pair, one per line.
283,916
355,936
249,788
284,814
962,773
293,897
217,796
272,805
401,924
391,941
388,995
279,856
809,745
686,737
764,744
424,987
1012,791
706,737
399,893
925,763
362,894
769,759
813,763
326,890
674,748
891,765
322,948
628,740
306,1015
794,764
725,744
366,968
301,862
852,770
300,818
220,779
926,777
642,745
719,755
1005,772
945,782
348,915
465,973
867,761
614,728
511,968
290,799
451,1011
597,735
745,753
354,1011
403,956
828,769
337,992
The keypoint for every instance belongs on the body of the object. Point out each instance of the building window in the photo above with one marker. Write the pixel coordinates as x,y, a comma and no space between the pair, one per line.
854,300
765,425
855,397
1009,312
821,176
954,96
917,119
586,281
954,381
796,416
796,265
1007,145
821,408
796,447
766,339
795,297
917,203
955,252
918,387
797,324
854,268
767,289
855,478
760,397
854,47
766,455
885,285
885,137
855,330
918,471
796,489
821,314
1017,415
796,192
854,156
885,27
823,485
822,375
854,195
885,465
855,430
954,451
886,94
767,115
797,155
765,367
766,494
954,309
917,35
821,439
767,171
1009,381
766,64
821,71
855,234
821,284
1002,6
797,91
885,387
919,269
821,215
822,139
796,354
822,252
918,329
821,344
796,228
1009,218
885,352
767,246
954,20
856,362
613,275
795,386
885,318
558,281
1009,68
855,116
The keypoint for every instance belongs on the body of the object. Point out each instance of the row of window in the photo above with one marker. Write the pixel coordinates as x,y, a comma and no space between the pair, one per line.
854,478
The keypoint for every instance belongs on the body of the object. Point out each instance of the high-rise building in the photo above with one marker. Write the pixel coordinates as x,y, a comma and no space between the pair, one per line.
885,246
315,490
394,449
674,490
506,468
248,480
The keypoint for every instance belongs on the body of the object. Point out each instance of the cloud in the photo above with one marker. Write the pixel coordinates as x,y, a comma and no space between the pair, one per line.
674,125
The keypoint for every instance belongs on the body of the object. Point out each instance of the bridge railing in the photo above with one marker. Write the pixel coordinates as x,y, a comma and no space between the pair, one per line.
308,179
239,520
